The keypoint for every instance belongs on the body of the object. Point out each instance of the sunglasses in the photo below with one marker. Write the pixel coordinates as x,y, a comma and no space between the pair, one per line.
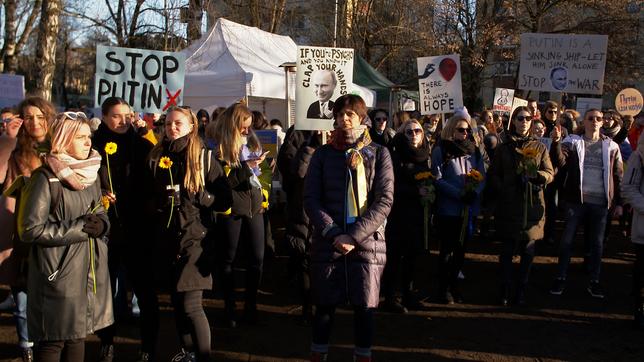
523,118
380,119
413,131
75,115
595,118
552,111
463,130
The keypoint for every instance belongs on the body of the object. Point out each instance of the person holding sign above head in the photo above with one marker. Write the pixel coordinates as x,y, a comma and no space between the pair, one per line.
520,205
186,181
120,141
324,83
348,193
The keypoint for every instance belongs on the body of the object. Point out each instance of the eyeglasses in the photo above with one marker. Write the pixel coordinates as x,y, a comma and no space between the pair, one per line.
463,130
380,119
523,118
413,131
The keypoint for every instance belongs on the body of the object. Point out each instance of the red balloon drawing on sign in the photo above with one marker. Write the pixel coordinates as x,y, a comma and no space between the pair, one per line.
447,68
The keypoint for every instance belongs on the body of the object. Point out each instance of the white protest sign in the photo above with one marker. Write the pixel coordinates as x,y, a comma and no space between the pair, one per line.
518,102
323,75
150,81
629,102
584,104
503,98
439,84
12,89
562,63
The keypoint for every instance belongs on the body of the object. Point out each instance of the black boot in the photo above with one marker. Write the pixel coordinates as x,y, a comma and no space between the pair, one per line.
639,317
520,298
250,296
505,295
228,290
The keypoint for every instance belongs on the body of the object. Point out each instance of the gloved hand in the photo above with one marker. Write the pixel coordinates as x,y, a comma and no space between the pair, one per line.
469,197
94,226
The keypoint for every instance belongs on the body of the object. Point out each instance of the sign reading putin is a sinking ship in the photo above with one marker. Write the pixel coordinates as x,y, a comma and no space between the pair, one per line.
150,81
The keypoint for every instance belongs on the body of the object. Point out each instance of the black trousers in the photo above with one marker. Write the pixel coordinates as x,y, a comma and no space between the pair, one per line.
72,350
191,322
638,275
233,227
363,325
527,251
452,253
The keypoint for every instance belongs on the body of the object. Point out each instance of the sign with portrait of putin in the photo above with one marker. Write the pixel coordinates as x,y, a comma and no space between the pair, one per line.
323,75
572,63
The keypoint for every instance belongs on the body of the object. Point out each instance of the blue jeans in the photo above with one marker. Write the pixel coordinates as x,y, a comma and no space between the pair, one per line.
594,218
20,316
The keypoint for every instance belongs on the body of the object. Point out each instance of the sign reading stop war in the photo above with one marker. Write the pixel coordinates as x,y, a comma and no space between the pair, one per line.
150,81
439,83
563,63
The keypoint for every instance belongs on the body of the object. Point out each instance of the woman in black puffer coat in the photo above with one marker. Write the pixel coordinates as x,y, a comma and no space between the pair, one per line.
348,193
183,252
411,155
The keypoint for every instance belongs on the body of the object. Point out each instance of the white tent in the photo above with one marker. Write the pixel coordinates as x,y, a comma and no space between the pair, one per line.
235,61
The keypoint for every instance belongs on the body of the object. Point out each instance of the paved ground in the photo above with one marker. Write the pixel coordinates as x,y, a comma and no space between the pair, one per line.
571,327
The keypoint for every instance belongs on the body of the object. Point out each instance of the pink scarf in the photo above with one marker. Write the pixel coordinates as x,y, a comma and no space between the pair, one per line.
77,174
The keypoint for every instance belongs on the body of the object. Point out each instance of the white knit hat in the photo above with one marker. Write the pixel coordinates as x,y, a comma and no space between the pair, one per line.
462,113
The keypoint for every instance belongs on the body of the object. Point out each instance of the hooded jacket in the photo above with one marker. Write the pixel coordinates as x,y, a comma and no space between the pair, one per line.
633,191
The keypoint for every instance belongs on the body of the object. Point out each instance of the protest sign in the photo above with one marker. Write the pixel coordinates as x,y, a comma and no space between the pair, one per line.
547,141
323,75
12,89
584,104
629,102
269,141
150,81
518,102
503,98
562,63
439,84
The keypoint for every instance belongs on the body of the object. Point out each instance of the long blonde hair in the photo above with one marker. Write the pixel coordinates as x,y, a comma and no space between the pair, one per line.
447,133
192,181
227,133
63,129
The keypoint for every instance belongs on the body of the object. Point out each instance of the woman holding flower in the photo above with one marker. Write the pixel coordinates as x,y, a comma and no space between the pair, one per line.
188,181
124,150
520,171
406,231
22,149
459,168
68,281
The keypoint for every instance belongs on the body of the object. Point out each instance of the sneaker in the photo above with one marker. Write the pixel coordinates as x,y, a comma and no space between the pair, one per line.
446,298
596,290
136,311
106,353
183,356
558,287
8,303
27,355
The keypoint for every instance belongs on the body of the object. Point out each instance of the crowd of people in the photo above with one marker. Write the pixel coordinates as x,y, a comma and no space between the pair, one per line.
92,208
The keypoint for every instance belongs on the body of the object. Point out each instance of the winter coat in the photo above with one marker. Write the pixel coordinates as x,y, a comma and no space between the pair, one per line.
383,139
405,223
355,277
184,252
509,189
450,181
633,192
127,170
62,303
570,158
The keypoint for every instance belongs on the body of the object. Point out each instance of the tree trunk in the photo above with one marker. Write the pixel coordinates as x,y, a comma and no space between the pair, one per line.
194,22
46,47
9,46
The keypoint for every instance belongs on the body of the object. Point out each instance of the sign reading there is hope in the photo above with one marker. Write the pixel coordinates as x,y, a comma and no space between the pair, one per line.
629,102
150,81
439,83
562,63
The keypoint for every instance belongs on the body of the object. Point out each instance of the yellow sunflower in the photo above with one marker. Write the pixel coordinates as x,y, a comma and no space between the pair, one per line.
475,175
106,202
423,176
110,148
165,162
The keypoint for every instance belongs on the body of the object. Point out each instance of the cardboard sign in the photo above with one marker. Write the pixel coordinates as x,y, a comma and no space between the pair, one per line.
516,103
269,141
150,81
323,75
629,102
12,89
562,63
503,100
584,104
439,84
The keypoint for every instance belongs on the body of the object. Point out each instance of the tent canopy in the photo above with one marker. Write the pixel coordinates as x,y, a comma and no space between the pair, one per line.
367,76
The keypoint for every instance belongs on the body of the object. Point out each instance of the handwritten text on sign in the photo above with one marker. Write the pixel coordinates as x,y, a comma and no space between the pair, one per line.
439,83
629,102
563,63
150,81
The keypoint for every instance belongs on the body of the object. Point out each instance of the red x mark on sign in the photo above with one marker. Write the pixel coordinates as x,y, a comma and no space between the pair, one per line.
172,99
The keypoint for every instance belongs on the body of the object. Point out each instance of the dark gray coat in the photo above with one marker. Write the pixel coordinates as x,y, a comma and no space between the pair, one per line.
63,305
355,278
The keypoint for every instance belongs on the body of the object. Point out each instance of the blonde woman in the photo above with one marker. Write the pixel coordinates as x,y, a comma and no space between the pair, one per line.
21,152
187,180
68,281
232,133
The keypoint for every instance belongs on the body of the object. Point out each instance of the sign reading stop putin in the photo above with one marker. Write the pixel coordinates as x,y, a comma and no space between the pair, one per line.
629,102
439,84
150,81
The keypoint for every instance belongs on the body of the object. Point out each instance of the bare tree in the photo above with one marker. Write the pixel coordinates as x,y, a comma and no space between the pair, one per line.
11,48
46,47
